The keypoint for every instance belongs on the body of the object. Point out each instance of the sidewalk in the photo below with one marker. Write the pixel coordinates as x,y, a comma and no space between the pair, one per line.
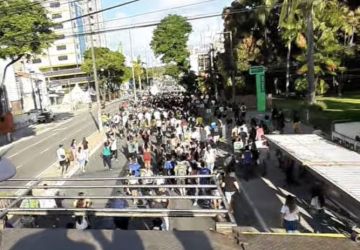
259,203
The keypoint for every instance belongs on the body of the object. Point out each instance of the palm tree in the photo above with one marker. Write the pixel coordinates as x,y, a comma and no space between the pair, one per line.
291,27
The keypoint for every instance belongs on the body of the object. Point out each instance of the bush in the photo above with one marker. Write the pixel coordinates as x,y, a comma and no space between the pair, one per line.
301,86
318,106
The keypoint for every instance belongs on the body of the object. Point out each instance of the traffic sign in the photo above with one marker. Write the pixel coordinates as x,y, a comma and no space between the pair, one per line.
257,70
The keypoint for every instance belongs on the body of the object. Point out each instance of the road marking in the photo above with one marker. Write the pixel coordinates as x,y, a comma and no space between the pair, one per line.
19,166
44,151
30,146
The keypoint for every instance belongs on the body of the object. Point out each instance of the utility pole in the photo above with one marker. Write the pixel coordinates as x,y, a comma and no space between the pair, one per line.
132,65
96,80
147,67
212,70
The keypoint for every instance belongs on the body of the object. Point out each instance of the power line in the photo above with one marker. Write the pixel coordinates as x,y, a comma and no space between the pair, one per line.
146,13
155,23
100,11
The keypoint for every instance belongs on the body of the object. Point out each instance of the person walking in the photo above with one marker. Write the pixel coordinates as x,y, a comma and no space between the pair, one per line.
243,110
85,146
106,155
290,215
81,158
61,156
230,186
113,148
147,158
317,206
210,158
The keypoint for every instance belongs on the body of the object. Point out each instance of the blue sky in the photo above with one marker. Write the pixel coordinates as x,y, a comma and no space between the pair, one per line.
204,30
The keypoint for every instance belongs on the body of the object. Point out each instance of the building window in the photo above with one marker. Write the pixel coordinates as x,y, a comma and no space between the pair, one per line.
54,4
62,58
61,47
58,26
60,36
55,16
36,60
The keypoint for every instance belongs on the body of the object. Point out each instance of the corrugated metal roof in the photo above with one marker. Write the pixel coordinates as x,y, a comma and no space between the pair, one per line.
333,162
315,150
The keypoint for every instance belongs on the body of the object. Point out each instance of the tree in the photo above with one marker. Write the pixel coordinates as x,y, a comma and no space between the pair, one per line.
169,42
110,66
25,30
329,28
250,35
172,70
328,31
139,71
291,26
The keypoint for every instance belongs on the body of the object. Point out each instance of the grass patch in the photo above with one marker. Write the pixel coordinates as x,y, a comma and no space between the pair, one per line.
345,108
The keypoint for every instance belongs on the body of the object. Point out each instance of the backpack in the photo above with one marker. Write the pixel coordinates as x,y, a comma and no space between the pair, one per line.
247,157
69,155
168,165
181,169
204,171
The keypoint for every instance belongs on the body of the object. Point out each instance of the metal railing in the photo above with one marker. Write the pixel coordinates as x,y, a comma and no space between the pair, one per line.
60,184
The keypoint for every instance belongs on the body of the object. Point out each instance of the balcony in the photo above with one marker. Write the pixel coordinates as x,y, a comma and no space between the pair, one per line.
55,83
64,72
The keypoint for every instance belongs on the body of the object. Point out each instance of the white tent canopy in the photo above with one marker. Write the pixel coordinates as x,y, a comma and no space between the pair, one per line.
77,95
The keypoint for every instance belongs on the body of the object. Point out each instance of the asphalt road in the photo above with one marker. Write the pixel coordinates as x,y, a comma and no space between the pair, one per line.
34,154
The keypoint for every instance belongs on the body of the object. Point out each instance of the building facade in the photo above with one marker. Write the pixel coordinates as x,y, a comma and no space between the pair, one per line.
62,61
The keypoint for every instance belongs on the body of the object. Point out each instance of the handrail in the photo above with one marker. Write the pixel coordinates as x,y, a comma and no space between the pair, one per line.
127,197
114,178
126,212
111,186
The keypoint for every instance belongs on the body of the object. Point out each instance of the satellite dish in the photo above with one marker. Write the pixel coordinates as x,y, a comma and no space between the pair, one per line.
154,90
7,169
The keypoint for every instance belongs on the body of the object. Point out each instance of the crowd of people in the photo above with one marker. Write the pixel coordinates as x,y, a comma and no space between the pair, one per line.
169,139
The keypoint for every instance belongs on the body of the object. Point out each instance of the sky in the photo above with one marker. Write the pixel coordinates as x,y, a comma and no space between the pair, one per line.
204,30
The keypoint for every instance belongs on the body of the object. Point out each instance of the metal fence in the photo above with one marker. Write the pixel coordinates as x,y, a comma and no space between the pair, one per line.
54,184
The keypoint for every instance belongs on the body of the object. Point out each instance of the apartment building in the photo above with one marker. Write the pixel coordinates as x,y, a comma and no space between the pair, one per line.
61,62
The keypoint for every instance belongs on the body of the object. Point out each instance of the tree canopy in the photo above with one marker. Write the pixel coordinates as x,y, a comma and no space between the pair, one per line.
110,66
24,30
169,41
272,32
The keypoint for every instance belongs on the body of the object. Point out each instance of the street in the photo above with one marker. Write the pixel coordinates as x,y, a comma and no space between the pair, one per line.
34,154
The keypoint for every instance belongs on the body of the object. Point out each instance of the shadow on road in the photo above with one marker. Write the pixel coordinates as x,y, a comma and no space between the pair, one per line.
94,119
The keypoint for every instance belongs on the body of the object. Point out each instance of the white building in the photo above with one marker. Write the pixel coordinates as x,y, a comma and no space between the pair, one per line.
61,62
199,59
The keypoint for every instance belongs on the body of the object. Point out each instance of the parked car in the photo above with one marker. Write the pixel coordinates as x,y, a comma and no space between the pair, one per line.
33,115
46,116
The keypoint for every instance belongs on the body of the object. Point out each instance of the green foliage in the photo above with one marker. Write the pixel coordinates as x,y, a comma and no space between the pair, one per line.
110,66
173,71
301,86
139,69
248,51
318,106
24,29
329,23
169,42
